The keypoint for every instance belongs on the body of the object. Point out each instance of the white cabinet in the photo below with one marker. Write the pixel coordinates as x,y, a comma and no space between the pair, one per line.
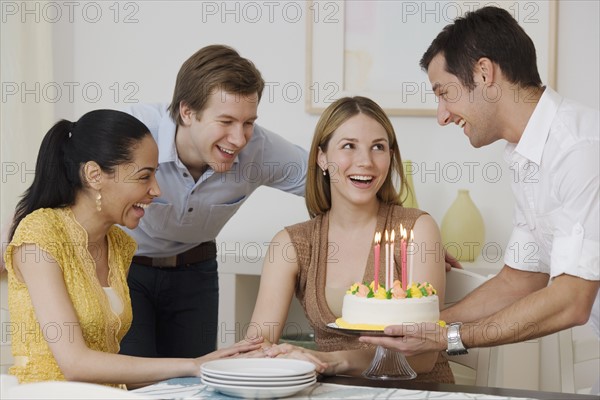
518,365
239,279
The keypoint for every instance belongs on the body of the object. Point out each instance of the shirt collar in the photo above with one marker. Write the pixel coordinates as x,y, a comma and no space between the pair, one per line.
167,152
532,142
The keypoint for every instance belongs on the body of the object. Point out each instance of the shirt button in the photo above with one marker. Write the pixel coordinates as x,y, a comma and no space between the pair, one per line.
190,209
185,175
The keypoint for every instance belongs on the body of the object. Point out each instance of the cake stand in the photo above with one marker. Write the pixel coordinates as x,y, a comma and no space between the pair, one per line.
387,364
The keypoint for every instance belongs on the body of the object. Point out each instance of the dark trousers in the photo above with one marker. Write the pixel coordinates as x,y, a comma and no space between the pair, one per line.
175,310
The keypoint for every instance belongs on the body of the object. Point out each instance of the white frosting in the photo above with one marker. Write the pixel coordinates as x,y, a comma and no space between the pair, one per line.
362,310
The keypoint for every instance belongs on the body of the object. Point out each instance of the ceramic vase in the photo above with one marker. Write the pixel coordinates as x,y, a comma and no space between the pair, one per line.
409,199
463,230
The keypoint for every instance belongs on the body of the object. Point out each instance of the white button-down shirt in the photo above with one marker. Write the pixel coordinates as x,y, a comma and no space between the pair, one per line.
188,213
555,183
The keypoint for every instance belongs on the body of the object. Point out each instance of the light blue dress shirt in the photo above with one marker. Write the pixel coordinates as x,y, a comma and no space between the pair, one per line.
188,213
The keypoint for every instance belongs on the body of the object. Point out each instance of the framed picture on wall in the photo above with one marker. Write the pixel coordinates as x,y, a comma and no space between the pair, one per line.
373,48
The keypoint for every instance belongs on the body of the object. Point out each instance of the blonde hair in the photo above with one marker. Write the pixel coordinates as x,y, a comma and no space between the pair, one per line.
318,191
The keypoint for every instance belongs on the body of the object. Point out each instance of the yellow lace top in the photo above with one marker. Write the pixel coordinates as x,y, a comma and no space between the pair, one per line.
56,232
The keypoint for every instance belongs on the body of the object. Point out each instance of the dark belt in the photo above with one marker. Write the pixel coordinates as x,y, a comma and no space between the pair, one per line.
202,252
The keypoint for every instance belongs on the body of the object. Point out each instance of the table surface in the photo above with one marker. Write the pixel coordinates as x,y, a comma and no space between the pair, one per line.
445,387
339,387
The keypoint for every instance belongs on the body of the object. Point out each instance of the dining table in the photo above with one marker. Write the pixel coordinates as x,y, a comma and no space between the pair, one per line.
345,387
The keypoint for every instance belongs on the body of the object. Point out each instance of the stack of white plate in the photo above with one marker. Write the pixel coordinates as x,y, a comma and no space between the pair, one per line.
258,377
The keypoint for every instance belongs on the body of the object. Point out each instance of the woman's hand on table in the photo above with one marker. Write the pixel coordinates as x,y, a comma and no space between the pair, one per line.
259,352
245,346
286,350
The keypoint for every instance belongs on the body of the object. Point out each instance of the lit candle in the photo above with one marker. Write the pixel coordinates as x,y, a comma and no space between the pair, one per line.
411,262
387,259
390,281
377,251
403,249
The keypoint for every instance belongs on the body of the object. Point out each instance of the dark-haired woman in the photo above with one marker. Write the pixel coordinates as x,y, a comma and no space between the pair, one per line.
67,262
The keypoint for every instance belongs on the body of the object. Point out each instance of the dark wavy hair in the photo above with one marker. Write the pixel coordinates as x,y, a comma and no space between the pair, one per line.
106,137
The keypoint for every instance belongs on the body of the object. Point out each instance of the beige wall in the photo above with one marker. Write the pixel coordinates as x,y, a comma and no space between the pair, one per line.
133,52
110,55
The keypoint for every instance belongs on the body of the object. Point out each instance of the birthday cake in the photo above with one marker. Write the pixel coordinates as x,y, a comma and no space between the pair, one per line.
365,308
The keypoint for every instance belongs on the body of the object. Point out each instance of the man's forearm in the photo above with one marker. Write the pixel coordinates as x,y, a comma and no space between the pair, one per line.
494,295
564,304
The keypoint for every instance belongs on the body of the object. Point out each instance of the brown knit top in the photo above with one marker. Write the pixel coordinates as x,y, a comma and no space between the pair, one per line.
310,242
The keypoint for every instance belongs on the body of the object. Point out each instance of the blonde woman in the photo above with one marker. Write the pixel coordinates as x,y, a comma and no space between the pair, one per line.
354,161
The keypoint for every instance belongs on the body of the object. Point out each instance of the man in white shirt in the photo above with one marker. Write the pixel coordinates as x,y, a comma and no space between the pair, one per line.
484,73
212,156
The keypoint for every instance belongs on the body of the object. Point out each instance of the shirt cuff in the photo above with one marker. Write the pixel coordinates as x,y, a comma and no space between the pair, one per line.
575,255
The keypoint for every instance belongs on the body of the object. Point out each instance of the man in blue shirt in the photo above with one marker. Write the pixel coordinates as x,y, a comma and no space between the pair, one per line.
212,156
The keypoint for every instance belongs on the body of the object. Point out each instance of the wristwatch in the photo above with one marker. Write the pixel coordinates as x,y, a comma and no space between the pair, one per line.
455,345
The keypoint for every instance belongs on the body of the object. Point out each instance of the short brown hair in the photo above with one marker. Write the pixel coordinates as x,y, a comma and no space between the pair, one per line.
209,69
318,190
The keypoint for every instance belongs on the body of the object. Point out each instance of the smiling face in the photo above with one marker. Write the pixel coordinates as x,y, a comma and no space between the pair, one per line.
215,136
473,111
357,160
131,187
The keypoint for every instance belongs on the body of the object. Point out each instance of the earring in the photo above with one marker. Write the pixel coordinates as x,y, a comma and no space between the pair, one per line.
324,172
99,202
